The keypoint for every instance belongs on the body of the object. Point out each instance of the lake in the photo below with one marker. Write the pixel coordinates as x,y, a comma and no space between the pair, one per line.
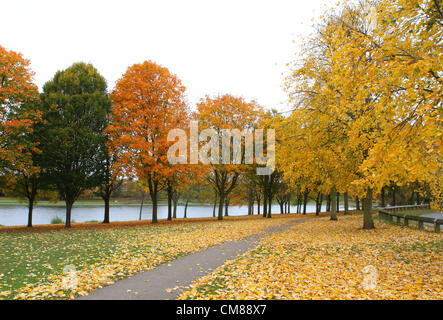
18,215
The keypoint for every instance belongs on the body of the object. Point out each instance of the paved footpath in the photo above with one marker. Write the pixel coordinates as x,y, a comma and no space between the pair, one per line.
153,284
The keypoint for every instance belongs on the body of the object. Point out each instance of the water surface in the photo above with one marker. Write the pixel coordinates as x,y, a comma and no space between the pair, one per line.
18,215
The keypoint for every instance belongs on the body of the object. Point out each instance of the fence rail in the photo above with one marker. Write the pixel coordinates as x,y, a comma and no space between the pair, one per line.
389,213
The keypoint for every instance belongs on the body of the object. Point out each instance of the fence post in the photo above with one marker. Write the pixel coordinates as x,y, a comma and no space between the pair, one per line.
406,222
420,225
436,227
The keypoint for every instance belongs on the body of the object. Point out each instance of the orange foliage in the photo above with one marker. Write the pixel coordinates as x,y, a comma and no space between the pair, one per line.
148,102
17,94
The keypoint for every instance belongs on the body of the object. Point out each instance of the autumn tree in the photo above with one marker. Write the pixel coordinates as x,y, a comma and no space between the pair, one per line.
17,94
272,183
383,129
19,112
178,183
192,186
75,105
222,114
148,102
110,171
411,147
335,123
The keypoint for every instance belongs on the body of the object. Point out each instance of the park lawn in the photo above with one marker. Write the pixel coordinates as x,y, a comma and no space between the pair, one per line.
32,263
418,212
323,259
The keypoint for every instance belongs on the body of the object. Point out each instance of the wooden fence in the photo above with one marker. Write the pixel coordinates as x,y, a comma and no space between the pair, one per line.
389,213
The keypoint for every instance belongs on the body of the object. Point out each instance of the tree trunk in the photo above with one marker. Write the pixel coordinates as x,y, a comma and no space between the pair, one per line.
186,208
154,208
226,207
215,205
368,222
282,210
141,206
250,202
328,203
299,197
346,200
30,209
169,208
106,217
169,191
382,198
68,213
333,204
265,205
258,206
394,198
269,207
305,201
357,203
317,205
220,207
411,200
153,191
338,202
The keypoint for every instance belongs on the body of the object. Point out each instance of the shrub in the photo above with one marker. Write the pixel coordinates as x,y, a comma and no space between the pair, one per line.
56,220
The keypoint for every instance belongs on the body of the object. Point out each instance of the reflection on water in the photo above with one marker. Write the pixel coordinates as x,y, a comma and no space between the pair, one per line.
18,215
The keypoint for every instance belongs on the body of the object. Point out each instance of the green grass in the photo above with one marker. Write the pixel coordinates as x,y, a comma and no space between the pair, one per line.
27,257
56,220
415,212
412,223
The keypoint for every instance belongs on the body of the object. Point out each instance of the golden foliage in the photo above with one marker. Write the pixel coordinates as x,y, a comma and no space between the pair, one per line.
320,259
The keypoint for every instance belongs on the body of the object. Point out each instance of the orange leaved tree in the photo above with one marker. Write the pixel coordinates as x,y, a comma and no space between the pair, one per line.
148,102
18,94
222,115
19,112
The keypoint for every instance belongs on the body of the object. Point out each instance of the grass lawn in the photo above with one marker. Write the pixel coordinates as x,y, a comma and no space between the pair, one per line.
32,262
416,212
323,259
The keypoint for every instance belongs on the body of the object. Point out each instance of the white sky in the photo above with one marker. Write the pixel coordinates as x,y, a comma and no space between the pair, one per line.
238,47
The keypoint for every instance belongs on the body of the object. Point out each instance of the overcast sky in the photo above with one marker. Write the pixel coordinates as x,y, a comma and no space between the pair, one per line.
239,47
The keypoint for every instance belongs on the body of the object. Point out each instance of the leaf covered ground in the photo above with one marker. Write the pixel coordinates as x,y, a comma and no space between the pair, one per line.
66,263
323,259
